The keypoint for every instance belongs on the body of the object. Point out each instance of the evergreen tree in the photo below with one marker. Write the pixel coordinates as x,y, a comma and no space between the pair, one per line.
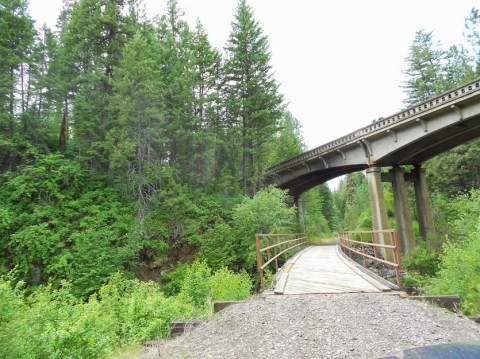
93,38
208,122
432,71
177,75
457,68
329,208
16,41
254,104
472,34
424,65
288,141
137,143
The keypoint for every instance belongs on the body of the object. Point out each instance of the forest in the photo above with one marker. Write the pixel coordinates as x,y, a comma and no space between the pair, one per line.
132,160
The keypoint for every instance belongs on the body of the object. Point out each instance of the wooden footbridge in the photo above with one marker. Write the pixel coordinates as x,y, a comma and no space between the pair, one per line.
325,268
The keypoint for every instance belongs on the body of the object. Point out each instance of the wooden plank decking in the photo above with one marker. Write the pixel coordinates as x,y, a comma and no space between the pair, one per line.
322,269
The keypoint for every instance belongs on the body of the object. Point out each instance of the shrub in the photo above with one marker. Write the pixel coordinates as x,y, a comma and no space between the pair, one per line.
227,285
459,265
267,212
421,260
53,323
201,287
471,303
196,285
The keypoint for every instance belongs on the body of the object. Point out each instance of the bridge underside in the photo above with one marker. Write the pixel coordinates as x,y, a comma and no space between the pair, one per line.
408,142
433,144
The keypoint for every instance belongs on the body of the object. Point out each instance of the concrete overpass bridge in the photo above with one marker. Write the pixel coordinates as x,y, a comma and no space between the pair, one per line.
408,137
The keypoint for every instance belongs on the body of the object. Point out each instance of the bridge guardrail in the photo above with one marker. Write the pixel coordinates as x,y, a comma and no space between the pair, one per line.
358,241
278,244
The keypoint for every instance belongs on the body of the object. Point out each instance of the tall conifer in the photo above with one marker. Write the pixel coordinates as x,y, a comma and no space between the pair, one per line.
254,104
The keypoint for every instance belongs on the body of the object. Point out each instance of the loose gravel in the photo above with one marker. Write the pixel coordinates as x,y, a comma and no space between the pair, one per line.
319,326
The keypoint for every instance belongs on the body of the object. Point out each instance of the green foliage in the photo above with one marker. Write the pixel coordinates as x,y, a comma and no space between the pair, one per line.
218,246
253,103
354,200
460,259
471,302
415,280
455,171
288,142
174,279
456,217
421,260
202,288
232,244
267,212
459,262
196,285
227,285
329,207
433,70
54,324
315,222
64,229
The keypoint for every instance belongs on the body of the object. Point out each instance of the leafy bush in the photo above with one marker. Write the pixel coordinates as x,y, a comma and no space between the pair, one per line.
196,285
459,264
471,303
218,246
68,225
227,285
421,260
53,323
174,279
415,280
267,212
201,287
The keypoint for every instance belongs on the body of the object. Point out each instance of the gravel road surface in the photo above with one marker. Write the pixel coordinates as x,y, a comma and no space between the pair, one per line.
319,326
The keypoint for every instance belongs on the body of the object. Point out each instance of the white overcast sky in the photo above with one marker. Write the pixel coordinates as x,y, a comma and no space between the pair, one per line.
339,62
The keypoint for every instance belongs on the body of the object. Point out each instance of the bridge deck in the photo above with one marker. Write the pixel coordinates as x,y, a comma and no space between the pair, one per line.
322,269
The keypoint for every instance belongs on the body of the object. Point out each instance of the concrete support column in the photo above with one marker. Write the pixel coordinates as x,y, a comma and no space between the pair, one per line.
402,210
424,206
379,209
300,217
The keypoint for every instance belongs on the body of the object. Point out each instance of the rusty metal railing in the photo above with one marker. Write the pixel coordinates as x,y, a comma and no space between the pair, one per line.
358,241
271,246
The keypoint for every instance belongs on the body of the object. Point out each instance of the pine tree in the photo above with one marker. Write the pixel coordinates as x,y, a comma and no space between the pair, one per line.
16,41
208,124
329,209
254,104
288,141
432,71
177,75
93,38
424,65
472,34
137,141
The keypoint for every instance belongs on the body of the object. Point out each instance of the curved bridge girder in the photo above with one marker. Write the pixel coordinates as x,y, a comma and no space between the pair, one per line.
406,138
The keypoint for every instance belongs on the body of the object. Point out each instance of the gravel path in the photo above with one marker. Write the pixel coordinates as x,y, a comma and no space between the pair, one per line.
319,326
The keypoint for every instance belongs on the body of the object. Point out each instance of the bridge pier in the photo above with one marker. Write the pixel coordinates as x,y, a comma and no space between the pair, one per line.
300,217
424,206
403,215
379,209
398,177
